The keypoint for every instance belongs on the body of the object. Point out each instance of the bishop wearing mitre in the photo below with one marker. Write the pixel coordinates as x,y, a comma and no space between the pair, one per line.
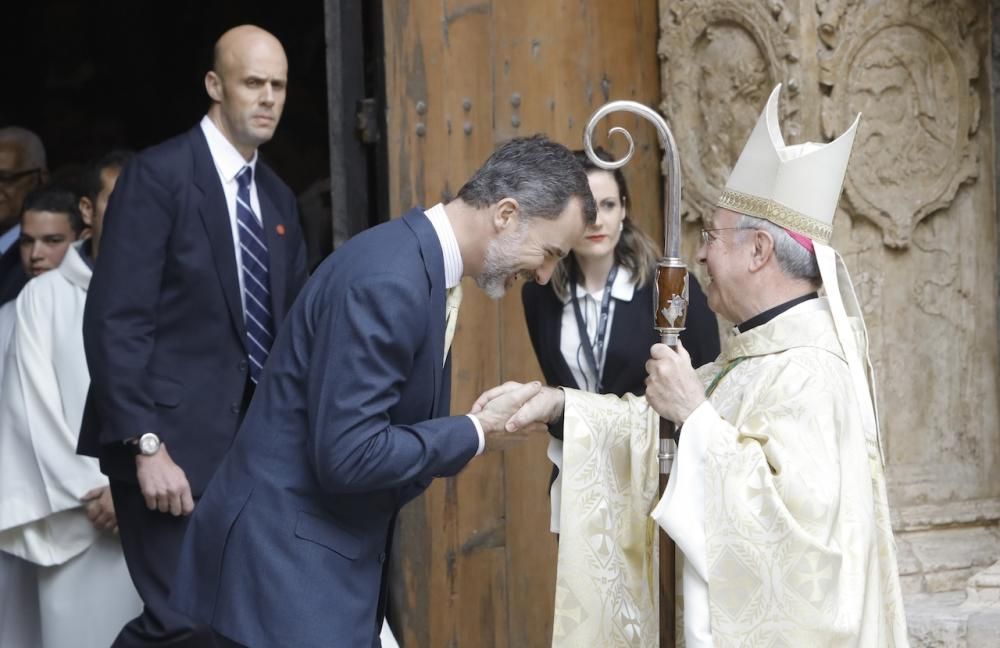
777,497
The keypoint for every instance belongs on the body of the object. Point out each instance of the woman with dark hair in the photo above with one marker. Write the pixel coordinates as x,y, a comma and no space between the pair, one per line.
592,326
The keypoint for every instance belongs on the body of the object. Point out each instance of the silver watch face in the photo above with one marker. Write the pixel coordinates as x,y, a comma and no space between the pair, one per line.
149,443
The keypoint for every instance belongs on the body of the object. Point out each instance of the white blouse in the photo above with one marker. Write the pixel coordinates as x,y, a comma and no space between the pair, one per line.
590,306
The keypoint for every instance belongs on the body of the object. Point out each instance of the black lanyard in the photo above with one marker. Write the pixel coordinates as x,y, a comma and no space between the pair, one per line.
602,326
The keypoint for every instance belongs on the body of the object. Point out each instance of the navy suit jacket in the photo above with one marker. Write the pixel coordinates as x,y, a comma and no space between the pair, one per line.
163,326
288,544
12,277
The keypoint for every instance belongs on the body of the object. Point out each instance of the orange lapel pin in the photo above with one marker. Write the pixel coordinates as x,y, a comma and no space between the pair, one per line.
280,229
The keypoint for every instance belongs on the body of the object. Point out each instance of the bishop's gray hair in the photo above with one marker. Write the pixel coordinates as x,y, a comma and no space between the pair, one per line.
29,143
793,259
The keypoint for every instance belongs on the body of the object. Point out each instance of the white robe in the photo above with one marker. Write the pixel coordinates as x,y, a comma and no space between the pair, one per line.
8,316
776,500
85,592
19,623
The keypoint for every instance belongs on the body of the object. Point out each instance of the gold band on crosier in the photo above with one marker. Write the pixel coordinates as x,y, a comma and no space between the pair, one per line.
778,214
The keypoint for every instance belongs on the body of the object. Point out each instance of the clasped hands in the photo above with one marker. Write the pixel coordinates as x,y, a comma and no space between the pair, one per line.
673,390
508,414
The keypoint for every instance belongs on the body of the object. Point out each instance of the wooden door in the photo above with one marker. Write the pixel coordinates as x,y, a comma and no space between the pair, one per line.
474,562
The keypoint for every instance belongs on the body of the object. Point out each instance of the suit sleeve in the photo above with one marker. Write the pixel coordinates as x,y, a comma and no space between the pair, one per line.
120,315
360,365
46,432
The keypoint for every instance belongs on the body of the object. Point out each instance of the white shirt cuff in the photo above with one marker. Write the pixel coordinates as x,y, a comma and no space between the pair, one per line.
479,431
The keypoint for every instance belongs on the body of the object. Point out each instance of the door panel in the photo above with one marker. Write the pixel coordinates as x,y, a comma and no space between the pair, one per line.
474,562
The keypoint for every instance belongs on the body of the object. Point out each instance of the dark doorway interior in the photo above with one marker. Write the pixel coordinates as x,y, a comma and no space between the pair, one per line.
92,76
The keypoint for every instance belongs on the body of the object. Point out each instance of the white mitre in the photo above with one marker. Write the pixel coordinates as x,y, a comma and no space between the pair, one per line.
797,188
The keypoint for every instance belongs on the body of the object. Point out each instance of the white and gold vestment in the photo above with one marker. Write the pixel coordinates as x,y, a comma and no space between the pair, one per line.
776,500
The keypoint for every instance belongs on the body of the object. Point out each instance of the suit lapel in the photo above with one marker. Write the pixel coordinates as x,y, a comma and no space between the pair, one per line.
430,250
631,336
553,340
10,259
618,339
215,216
272,220
12,275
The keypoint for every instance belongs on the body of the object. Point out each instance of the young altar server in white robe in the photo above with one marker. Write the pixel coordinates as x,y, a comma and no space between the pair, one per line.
19,624
84,590
777,496
50,222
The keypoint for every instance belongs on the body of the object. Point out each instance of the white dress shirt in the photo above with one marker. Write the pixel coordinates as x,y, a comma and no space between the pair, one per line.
590,306
229,163
453,269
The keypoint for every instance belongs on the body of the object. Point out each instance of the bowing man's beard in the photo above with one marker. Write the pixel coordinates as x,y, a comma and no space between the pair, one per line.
500,264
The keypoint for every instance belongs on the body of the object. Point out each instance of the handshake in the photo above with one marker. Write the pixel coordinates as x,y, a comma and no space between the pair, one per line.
513,412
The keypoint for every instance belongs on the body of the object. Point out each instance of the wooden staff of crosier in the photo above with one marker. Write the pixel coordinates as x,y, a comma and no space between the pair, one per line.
671,305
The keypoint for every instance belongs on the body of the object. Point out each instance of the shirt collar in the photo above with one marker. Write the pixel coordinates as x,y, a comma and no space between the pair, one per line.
771,313
453,267
622,289
227,159
9,238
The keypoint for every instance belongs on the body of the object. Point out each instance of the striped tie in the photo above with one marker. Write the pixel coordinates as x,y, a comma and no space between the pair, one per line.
256,287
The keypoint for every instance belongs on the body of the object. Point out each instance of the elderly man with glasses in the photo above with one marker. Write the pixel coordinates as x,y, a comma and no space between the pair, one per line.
777,494
22,168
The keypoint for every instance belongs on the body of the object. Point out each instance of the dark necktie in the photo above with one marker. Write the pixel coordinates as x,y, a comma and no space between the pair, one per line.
256,287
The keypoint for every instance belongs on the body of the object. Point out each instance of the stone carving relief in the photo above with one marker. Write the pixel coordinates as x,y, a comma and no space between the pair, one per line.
915,225
720,59
910,68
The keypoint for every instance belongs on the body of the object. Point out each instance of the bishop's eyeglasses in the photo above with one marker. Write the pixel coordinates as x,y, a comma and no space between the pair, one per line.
707,236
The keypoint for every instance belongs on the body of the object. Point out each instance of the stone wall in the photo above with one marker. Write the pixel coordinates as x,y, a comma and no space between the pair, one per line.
995,85
917,228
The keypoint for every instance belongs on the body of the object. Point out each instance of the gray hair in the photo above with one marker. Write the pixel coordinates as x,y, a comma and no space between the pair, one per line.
29,143
540,174
793,259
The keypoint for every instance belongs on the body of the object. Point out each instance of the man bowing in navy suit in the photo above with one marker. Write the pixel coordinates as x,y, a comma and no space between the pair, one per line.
201,257
350,420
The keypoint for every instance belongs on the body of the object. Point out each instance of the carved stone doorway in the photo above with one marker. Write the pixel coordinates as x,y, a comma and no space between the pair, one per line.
917,228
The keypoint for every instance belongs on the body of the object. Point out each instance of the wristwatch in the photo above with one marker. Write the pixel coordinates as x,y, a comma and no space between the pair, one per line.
148,444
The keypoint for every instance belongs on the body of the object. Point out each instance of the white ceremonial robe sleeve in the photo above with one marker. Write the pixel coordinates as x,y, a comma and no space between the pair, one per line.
787,510
42,476
681,513
609,485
